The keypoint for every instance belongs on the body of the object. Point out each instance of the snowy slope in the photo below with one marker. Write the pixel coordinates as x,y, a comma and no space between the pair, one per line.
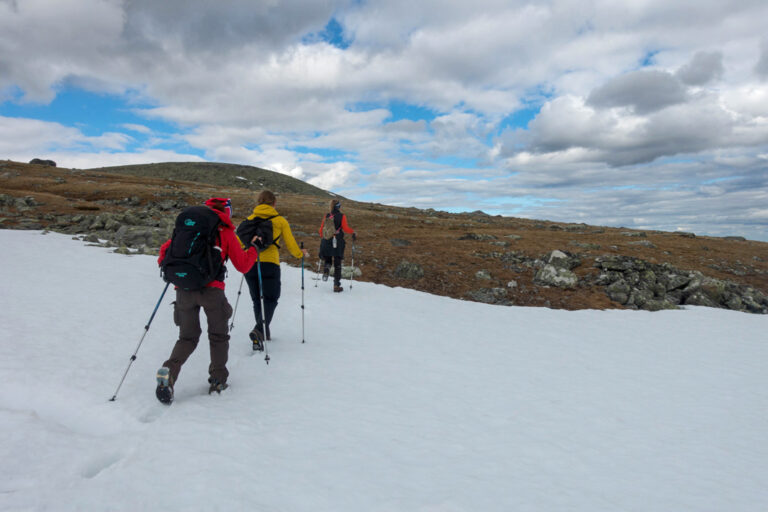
402,401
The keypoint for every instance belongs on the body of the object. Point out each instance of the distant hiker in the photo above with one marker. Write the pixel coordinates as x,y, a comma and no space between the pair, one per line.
332,230
194,260
271,229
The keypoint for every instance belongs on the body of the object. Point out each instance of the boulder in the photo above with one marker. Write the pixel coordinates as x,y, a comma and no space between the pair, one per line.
408,270
489,296
348,271
38,161
476,236
550,275
483,274
563,260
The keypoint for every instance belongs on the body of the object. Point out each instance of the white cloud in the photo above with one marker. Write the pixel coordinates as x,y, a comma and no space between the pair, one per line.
703,68
25,136
103,159
627,89
761,68
644,91
336,175
137,128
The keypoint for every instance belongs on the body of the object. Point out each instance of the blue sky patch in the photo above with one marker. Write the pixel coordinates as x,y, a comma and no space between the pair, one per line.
649,59
332,33
96,114
398,109
519,118
93,114
328,154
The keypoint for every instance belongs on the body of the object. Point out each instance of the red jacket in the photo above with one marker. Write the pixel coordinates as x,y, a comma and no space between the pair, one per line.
230,247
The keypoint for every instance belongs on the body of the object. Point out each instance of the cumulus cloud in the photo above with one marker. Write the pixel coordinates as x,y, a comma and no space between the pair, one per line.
703,68
643,91
335,176
202,26
620,138
761,68
26,136
624,90
78,160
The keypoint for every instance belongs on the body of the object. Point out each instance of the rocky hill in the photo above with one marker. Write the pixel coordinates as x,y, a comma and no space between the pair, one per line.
221,175
472,256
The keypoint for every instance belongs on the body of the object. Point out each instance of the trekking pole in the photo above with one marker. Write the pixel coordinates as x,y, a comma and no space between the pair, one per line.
317,274
302,294
239,291
352,275
146,329
263,316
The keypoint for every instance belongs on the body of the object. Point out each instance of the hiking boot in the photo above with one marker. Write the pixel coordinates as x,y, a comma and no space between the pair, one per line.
337,289
326,273
258,340
164,391
217,386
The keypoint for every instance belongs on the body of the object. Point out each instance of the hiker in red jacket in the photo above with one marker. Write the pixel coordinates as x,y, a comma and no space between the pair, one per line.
186,310
332,230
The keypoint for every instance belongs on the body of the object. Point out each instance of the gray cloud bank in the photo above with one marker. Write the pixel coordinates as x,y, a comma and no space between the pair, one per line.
646,114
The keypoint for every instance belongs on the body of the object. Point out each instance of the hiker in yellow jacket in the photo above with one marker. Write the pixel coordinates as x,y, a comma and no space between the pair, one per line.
269,261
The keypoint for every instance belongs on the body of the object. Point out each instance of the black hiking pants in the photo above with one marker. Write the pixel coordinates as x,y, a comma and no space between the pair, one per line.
333,255
336,268
186,314
270,280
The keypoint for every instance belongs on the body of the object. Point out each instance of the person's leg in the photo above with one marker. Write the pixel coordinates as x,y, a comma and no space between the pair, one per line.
326,267
337,271
186,314
270,276
218,312
252,279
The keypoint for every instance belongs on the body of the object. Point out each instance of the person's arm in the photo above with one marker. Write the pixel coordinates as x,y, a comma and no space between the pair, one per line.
290,242
242,259
344,226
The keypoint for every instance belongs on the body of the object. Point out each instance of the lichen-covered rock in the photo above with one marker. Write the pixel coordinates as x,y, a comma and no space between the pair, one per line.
642,285
563,260
550,275
483,274
408,270
476,236
489,296
347,271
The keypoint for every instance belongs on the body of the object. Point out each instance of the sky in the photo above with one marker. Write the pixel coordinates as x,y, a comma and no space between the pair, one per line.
646,114
577,411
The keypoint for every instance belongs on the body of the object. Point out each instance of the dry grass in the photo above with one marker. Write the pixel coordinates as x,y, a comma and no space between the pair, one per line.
450,264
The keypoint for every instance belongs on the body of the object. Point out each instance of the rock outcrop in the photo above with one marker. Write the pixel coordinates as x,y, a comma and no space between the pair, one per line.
639,284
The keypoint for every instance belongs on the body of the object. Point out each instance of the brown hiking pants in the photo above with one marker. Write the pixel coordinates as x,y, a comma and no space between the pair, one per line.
186,314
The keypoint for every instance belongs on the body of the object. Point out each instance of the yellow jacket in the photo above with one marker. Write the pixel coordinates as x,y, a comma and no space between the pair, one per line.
280,228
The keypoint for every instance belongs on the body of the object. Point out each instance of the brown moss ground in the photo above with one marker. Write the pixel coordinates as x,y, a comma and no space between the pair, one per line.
450,264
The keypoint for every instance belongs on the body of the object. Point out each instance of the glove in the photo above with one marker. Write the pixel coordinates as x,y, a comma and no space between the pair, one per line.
354,237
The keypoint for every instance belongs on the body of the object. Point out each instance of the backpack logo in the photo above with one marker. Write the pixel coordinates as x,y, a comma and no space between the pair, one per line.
189,222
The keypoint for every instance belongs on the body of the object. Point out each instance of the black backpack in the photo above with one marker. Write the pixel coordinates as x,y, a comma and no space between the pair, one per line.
261,227
194,258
